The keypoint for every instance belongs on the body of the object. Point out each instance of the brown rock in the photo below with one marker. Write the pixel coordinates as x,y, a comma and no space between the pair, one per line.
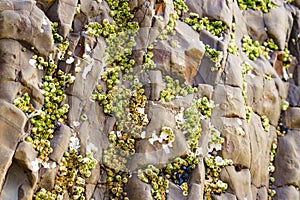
224,196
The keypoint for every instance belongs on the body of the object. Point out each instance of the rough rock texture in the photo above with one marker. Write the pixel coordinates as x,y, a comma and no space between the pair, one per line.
154,87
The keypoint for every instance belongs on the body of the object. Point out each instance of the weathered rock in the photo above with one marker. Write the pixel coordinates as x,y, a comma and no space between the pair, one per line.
294,95
17,185
218,10
237,143
12,122
287,192
239,182
224,196
136,189
28,22
24,156
255,25
233,72
60,142
47,176
175,192
260,145
153,83
291,118
63,11
277,16
286,161
229,101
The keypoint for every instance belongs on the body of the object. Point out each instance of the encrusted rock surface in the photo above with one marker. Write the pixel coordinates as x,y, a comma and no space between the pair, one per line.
149,99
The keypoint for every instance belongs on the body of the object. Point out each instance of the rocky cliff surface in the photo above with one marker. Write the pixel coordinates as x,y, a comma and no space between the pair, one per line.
149,99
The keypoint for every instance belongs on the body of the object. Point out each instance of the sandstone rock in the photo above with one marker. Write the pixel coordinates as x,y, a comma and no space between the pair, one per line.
101,192
270,102
153,83
196,192
47,176
286,161
12,122
287,192
24,156
239,182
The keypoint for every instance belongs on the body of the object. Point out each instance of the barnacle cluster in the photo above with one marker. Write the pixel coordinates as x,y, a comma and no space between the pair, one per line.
174,88
263,5
265,122
180,7
215,56
215,27
246,68
286,60
232,48
153,176
72,171
253,49
271,169
114,160
46,119
188,121
214,164
148,63
55,35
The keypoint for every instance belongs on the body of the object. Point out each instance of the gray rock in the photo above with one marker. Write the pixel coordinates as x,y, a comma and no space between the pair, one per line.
233,72
175,192
294,95
224,196
286,161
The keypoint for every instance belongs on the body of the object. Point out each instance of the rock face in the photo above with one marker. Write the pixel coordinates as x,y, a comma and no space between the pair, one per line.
177,99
